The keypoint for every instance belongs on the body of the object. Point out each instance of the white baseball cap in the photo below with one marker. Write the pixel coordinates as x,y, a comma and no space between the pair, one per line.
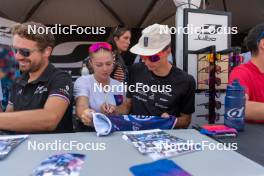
152,41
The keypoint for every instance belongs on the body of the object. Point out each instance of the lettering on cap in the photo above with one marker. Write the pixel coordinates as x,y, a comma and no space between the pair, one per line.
145,41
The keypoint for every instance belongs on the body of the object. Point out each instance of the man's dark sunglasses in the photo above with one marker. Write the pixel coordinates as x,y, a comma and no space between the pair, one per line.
23,51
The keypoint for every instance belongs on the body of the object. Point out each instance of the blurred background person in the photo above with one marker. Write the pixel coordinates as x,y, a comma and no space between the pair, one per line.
8,73
120,40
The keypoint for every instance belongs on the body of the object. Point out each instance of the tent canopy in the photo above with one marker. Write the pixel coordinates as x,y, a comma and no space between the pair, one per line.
133,13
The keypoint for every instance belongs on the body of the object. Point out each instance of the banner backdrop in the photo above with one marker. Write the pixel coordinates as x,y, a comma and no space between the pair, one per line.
5,31
72,49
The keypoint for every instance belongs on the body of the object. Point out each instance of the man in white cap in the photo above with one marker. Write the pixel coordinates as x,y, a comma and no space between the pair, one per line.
156,87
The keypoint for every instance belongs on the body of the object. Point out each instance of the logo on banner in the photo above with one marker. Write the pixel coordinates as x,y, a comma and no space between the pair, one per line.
207,30
5,31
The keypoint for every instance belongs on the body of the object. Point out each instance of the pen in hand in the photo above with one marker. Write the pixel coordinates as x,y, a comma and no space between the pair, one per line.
107,106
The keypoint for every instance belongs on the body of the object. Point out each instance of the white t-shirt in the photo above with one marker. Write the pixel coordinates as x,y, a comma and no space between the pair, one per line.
87,86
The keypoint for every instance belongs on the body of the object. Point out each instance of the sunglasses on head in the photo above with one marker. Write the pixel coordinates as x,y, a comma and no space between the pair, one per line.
117,29
207,69
23,51
100,45
208,57
217,81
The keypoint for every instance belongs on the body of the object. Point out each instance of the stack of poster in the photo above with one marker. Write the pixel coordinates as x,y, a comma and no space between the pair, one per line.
158,144
8,143
66,164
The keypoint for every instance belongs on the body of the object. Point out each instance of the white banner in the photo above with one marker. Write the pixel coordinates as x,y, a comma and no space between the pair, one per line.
213,30
5,31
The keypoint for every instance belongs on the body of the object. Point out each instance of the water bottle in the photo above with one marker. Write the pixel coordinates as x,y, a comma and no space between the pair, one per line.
235,106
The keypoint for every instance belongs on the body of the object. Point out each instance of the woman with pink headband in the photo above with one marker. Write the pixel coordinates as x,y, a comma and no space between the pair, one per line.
93,91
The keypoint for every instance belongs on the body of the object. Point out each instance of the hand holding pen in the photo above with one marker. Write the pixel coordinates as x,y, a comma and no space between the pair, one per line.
106,107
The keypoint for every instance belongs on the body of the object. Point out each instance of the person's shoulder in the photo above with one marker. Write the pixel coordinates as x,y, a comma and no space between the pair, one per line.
114,82
243,67
60,74
17,80
137,67
85,78
176,70
178,73
245,73
241,71
181,77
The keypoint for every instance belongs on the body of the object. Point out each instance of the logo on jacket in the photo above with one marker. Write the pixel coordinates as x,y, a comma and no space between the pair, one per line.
40,90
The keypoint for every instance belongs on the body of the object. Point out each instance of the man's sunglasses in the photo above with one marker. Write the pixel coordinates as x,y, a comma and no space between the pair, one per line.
23,51
153,58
